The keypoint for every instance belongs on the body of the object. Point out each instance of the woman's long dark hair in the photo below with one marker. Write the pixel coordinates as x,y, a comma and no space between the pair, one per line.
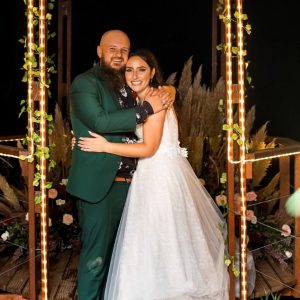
151,60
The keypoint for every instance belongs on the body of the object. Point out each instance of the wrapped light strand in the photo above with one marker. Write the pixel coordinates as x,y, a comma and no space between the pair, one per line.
43,145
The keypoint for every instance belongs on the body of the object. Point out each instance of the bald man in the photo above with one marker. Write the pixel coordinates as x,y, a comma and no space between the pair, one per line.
100,102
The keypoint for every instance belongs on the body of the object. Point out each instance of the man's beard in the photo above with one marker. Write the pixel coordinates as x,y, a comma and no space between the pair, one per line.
114,77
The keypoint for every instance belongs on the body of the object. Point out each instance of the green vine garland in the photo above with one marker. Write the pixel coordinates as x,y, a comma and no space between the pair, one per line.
35,72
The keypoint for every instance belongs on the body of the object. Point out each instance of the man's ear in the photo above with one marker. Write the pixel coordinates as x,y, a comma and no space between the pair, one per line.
99,51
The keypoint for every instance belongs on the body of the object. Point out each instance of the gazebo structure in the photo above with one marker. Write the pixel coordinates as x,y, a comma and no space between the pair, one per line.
57,275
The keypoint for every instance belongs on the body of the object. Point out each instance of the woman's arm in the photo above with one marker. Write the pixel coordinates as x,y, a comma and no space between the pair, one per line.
152,133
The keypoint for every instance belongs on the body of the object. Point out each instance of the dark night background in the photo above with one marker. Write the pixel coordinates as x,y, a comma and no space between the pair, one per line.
174,31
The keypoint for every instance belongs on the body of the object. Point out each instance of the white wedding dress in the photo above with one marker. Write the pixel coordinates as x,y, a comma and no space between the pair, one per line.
169,245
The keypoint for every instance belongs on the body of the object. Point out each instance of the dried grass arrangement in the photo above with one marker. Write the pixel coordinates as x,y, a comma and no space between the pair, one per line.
201,118
12,200
200,124
61,153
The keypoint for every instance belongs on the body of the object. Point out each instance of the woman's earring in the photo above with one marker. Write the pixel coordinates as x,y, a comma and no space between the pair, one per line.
151,81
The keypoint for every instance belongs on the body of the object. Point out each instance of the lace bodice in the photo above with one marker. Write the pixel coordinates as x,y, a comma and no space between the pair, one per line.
170,144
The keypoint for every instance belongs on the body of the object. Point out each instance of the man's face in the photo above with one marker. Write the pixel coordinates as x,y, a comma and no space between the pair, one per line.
114,49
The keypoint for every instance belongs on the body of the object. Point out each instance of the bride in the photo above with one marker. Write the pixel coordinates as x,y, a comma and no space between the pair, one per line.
169,244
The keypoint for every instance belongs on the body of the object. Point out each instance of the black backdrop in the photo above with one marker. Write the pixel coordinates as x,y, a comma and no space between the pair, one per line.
174,32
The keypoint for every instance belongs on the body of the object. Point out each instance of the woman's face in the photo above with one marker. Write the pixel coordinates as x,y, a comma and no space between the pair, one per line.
138,74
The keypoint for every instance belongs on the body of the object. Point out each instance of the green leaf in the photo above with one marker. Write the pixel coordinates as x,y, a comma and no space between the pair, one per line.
248,28
234,136
237,128
239,141
36,182
48,16
38,199
244,17
220,47
22,110
249,79
234,50
236,14
37,113
51,164
227,262
226,127
223,178
48,185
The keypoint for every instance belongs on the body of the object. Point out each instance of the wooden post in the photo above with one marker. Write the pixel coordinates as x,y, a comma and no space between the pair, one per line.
284,164
231,225
64,54
32,233
297,230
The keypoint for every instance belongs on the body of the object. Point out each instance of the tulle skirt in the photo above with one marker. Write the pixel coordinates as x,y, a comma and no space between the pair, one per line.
169,244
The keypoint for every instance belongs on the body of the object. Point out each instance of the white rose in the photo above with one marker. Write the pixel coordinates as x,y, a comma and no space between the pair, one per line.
288,254
254,220
5,235
64,181
60,202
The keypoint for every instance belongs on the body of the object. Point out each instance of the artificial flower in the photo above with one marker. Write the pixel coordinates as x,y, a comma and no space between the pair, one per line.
286,230
221,200
64,181
288,254
60,202
67,219
251,196
52,193
254,220
5,235
249,214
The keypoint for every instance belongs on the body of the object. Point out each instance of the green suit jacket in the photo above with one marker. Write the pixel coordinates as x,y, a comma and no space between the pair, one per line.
95,107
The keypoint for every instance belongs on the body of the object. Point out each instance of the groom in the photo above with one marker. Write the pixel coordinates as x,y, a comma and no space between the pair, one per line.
100,181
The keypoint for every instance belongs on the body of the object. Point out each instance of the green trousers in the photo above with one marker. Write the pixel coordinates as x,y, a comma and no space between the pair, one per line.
99,223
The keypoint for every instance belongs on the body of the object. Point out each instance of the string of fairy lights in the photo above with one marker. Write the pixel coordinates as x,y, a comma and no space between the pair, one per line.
241,115
43,144
43,125
241,109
